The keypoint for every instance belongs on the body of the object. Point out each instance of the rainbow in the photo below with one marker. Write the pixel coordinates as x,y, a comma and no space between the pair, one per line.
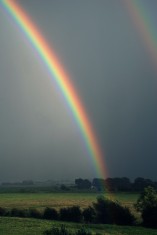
143,20
60,77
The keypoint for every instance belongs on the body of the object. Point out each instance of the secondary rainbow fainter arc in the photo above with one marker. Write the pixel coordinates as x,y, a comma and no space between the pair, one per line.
144,23
58,74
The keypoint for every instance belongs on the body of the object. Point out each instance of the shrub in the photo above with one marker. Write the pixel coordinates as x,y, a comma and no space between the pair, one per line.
50,213
72,214
64,214
147,205
110,212
147,199
149,216
120,215
3,211
15,212
64,188
34,213
89,215
102,210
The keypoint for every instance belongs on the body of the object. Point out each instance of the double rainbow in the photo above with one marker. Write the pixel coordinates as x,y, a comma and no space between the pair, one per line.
58,75
142,21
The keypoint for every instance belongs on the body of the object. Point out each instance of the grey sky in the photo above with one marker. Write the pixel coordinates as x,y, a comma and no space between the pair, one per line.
106,58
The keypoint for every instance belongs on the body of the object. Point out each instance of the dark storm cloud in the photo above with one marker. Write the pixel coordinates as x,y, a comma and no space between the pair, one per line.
109,65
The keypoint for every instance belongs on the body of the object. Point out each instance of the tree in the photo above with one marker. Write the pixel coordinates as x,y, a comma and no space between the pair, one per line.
112,212
99,184
118,184
50,213
64,187
73,214
89,215
147,205
141,183
83,183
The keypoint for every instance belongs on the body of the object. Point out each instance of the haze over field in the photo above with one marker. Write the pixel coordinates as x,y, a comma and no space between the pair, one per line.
107,60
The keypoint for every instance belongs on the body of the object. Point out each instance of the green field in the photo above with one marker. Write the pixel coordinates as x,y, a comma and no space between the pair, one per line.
18,226
58,200
23,226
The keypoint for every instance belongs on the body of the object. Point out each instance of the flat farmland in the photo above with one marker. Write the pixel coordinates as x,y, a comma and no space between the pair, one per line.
58,200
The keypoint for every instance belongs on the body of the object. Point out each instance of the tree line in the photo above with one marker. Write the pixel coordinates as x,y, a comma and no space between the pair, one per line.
115,184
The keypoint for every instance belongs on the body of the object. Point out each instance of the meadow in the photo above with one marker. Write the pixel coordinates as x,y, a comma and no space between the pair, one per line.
58,200
29,226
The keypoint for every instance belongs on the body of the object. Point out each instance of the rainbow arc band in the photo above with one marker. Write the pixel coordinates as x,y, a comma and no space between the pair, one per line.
58,75
143,20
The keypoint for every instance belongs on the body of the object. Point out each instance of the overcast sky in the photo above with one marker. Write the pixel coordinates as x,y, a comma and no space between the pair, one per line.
105,56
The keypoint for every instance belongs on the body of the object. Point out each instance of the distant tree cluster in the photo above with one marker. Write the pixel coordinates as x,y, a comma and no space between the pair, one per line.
115,184
23,183
83,183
